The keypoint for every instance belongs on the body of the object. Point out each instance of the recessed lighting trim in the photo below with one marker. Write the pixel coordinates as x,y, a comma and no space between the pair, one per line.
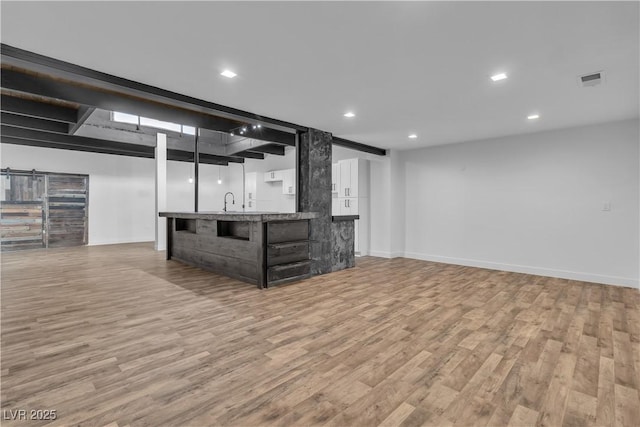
413,136
533,116
349,114
498,77
228,73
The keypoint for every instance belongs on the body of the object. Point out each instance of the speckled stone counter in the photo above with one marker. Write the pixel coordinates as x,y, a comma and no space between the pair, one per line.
242,216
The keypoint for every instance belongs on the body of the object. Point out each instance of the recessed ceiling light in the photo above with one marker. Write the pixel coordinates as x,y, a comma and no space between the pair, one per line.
533,116
228,73
349,114
413,136
498,77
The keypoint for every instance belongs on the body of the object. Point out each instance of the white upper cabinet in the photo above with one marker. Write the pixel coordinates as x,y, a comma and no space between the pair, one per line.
348,206
288,181
251,184
352,181
344,183
335,177
273,176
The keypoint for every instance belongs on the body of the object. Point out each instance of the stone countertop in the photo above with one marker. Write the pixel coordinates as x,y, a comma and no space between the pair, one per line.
241,216
336,218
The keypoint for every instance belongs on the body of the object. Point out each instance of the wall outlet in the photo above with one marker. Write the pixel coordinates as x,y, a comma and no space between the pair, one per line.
606,206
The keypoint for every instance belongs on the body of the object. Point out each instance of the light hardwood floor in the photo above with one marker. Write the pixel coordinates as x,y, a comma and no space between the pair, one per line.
116,335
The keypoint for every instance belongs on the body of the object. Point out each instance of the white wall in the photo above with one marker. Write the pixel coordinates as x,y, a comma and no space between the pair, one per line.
122,192
272,191
121,189
530,203
380,210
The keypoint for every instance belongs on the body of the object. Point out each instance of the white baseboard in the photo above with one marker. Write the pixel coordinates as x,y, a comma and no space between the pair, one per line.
118,241
538,271
380,254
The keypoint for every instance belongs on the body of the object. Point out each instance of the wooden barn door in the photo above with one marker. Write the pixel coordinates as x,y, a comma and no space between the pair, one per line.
43,210
67,210
22,212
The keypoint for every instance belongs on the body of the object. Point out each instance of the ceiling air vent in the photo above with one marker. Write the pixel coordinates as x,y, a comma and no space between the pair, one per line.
591,79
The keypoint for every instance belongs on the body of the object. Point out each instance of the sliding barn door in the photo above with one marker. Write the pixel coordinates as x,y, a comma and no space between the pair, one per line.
22,201
67,210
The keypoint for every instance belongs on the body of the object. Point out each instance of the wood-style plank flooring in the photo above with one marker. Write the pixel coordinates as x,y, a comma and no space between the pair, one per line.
116,336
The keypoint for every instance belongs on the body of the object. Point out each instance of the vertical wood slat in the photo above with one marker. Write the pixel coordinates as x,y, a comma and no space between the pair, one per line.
43,210
67,200
21,211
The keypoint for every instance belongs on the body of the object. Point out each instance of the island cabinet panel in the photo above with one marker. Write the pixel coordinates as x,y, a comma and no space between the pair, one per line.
283,253
279,232
260,248
288,256
288,272
203,248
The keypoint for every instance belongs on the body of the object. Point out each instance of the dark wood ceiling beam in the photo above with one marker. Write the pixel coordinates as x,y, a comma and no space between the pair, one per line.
26,107
28,122
84,113
250,155
118,148
358,146
115,101
42,63
270,149
15,135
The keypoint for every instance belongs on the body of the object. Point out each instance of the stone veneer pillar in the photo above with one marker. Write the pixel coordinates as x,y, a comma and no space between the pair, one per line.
314,194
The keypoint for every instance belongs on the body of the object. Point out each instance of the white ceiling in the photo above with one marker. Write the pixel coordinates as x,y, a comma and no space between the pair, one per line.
420,67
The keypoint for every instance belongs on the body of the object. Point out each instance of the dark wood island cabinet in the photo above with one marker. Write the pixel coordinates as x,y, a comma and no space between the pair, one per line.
256,247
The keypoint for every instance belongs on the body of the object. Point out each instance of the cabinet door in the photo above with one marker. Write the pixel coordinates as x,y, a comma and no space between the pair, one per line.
348,206
289,181
273,176
250,206
335,178
353,178
345,178
250,185
335,206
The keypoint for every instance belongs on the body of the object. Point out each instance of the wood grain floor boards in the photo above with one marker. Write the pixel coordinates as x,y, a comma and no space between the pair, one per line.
118,336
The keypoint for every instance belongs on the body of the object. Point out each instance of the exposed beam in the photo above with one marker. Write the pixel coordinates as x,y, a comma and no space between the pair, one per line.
87,74
358,146
47,86
270,149
28,122
116,148
26,107
250,155
119,148
84,113
52,78
243,144
54,140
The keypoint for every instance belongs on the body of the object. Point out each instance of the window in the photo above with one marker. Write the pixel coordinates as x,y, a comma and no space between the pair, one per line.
124,118
145,121
117,116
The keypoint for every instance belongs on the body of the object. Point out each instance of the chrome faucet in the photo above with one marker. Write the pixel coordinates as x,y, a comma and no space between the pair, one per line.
233,200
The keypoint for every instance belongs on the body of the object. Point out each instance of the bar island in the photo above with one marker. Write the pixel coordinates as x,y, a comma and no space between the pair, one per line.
263,248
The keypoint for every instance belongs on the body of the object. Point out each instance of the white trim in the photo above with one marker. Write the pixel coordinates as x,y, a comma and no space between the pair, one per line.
380,254
119,241
538,271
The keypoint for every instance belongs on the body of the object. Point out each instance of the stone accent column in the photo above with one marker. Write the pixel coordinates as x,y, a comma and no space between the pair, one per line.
314,188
